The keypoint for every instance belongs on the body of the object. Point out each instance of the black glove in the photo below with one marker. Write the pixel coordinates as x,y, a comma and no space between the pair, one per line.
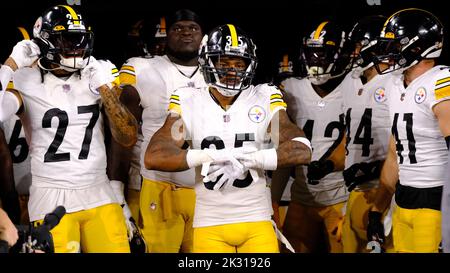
375,228
318,169
360,173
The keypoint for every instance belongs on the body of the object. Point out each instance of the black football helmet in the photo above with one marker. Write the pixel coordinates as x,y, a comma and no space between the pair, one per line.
147,38
63,38
231,41
323,54
408,36
362,40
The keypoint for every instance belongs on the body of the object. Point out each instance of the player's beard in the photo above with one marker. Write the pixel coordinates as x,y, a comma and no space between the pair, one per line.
184,56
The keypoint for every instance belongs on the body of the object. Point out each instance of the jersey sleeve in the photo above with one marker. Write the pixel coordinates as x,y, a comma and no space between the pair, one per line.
441,90
127,74
174,104
276,100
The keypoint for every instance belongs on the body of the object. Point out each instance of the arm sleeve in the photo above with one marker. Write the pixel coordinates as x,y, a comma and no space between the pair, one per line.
9,105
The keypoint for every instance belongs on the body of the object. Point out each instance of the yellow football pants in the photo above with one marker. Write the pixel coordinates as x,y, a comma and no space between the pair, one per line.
314,229
252,237
416,230
133,199
167,214
354,229
97,230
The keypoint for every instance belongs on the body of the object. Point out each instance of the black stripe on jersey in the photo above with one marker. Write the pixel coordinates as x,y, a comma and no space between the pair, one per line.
174,102
443,80
442,86
276,100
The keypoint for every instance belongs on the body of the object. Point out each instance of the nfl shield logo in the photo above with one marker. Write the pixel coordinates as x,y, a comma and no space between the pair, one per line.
226,118
66,88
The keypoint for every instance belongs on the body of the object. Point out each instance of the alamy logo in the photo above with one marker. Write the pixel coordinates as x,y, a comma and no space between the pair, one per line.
374,2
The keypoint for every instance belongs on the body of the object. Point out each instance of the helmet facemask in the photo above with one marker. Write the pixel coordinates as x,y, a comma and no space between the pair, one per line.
323,56
69,49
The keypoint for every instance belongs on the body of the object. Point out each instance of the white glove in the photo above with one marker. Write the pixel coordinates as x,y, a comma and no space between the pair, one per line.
118,189
96,73
196,157
228,171
262,159
25,53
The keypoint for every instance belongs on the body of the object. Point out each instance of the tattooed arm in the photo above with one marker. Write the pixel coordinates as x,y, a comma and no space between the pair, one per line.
122,123
289,152
164,152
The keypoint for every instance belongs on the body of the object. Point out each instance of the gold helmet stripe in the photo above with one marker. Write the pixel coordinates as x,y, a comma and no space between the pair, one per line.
234,39
388,19
74,15
162,24
24,32
319,30
285,60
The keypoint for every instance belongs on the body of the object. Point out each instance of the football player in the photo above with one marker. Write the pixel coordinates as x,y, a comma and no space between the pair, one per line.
62,93
318,193
166,199
147,38
368,129
150,40
230,145
8,194
419,106
18,147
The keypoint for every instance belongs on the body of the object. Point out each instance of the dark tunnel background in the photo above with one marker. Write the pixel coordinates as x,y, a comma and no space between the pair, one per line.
276,27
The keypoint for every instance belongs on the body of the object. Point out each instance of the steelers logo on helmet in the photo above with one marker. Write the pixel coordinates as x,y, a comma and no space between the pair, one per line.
323,54
64,39
227,59
407,37
421,95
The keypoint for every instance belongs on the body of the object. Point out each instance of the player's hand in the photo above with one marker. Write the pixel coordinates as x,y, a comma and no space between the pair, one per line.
8,231
252,158
375,227
25,53
360,173
135,238
96,74
318,169
224,174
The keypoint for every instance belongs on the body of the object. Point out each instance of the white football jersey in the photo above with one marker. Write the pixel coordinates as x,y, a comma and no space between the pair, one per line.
367,120
134,173
421,148
322,121
156,79
244,124
15,137
64,128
